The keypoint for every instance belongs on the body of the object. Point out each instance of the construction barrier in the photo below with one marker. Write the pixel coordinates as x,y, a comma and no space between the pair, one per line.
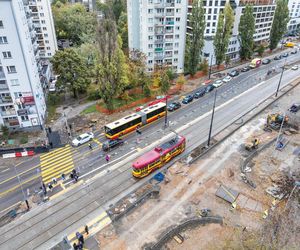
18,154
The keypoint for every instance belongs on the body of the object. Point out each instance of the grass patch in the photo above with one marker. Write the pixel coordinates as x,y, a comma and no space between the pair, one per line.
24,139
118,102
90,109
53,101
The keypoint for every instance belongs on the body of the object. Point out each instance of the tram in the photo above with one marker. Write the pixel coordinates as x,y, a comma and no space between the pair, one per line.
158,157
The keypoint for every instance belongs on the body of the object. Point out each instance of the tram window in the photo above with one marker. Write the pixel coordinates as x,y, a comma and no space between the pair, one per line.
156,112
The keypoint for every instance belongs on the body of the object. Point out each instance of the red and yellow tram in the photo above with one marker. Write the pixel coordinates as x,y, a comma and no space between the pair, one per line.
157,157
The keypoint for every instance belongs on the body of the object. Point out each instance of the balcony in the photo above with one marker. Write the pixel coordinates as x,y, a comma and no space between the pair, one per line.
168,55
170,4
158,49
159,15
159,32
170,23
169,30
158,41
170,13
11,112
3,85
6,100
11,122
159,57
159,5
32,3
169,48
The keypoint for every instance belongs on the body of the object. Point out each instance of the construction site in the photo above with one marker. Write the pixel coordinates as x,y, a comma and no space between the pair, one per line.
242,193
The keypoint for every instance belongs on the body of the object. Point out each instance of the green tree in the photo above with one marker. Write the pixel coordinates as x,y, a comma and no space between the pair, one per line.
246,32
195,40
223,33
74,22
111,66
165,82
260,50
123,30
279,25
71,69
117,7
181,80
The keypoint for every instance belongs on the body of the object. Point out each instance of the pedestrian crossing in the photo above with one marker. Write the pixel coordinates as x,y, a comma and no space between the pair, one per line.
56,162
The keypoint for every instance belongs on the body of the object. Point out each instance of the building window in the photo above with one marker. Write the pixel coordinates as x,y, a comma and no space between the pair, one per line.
215,17
178,1
14,82
150,61
48,48
215,11
177,27
210,3
150,29
176,52
150,54
207,31
177,36
6,54
216,3
49,54
1,24
45,35
150,1
175,60
209,11
177,19
44,28
3,39
24,118
176,45
150,38
150,20
42,14
150,11
46,41
11,69
150,46
43,22
177,10
208,17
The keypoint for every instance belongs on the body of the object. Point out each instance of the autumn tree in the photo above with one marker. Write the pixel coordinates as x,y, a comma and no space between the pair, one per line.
195,40
111,69
123,30
246,32
72,71
279,25
74,22
223,34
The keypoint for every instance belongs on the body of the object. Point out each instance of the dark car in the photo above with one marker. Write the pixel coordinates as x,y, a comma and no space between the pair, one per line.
277,57
285,54
266,61
245,69
108,145
294,52
209,88
295,108
173,106
199,93
187,99
234,73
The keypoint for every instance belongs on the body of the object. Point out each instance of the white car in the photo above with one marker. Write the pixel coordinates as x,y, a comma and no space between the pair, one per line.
227,79
295,67
52,87
83,138
218,83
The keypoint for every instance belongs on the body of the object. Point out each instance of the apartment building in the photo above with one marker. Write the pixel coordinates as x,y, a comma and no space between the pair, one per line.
263,11
158,29
23,73
294,10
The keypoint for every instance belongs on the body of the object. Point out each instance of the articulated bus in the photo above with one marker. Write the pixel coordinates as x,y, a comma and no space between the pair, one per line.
158,157
129,123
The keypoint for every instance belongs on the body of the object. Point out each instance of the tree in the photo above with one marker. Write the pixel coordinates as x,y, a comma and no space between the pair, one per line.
72,71
261,50
74,22
246,32
279,25
111,66
195,40
117,7
165,83
181,81
123,30
223,33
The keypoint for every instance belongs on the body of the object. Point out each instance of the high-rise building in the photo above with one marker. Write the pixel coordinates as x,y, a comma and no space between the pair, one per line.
294,23
263,11
158,29
24,75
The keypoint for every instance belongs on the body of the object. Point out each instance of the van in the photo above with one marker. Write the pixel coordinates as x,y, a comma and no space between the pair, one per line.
255,63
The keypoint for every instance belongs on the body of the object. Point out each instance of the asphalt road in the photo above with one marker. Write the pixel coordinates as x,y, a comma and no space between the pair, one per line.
47,224
89,163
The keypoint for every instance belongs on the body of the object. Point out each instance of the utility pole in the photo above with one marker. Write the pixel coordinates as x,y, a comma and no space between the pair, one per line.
18,177
209,73
212,118
166,115
278,86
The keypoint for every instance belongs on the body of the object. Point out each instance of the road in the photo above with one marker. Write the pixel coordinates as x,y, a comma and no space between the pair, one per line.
90,162
46,225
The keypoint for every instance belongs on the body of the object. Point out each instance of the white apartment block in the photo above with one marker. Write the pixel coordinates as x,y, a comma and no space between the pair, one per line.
44,26
294,9
263,11
158,29
23,75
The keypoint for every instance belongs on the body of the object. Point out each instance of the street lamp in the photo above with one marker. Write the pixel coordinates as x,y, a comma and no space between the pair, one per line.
278,86
209,73
212,118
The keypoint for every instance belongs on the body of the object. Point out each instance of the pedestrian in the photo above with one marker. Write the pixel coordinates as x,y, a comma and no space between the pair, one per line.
76,177
86,229
80,245
74,172
54,181
90,146
107,158
72,176
138,130
63,177
75,246
50,186
81,239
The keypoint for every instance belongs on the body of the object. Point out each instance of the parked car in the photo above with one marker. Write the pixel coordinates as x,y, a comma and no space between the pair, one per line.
285,54
266,61
227,79
199,93
209,88
218,83
234,73
295,67
294,52
187,99
83,138
110,144
173,106
52,87
294,108
277,57
245,69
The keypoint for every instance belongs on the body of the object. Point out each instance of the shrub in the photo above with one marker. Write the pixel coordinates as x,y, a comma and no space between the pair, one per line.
23,140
